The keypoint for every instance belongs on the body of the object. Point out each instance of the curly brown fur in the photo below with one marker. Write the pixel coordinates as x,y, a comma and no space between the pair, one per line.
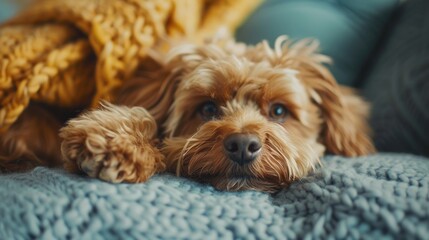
281,104
31,141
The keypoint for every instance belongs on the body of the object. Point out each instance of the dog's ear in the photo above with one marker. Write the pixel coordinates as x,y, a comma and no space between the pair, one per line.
154,85
345,128
344,114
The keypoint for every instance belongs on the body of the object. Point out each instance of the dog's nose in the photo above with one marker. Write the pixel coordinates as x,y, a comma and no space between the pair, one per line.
242,148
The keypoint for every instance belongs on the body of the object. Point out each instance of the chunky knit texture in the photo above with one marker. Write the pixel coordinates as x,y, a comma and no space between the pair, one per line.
70,53
385,195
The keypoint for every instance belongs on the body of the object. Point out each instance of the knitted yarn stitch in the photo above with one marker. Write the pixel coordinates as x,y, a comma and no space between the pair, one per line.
384,196
72,52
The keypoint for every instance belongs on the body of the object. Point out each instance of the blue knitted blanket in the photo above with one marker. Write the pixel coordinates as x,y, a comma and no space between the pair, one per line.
385,195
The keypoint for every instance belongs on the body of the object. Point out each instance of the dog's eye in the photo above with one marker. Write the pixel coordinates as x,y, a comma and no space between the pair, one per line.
209,111
278,112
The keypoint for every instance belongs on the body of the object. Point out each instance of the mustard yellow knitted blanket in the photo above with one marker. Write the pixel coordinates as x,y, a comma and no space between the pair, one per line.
72,53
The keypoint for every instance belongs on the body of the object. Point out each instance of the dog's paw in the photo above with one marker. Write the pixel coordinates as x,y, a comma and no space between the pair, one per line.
120,159
114,144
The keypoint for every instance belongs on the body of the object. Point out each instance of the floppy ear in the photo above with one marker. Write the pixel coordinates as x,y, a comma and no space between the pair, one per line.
345,126
344,114
154,85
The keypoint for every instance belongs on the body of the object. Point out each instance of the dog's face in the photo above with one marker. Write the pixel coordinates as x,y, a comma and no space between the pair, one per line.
255,117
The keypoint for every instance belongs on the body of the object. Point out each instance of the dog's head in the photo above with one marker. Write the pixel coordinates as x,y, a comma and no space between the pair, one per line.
253,117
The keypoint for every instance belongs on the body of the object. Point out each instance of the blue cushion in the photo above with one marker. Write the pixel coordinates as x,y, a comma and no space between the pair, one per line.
347,29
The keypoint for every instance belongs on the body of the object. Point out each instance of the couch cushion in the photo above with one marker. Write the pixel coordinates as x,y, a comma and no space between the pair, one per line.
347,29
398,84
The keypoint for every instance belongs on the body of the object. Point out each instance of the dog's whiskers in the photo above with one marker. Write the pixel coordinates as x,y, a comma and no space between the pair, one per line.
183,153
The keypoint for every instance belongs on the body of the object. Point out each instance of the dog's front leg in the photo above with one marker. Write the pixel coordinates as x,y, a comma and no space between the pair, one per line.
113,143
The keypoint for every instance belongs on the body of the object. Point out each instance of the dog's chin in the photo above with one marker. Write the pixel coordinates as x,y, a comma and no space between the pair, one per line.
242,182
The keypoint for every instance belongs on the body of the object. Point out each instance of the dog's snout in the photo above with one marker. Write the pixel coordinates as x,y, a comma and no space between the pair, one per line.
242,148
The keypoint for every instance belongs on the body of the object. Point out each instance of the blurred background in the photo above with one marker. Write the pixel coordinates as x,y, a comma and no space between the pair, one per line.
9,7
